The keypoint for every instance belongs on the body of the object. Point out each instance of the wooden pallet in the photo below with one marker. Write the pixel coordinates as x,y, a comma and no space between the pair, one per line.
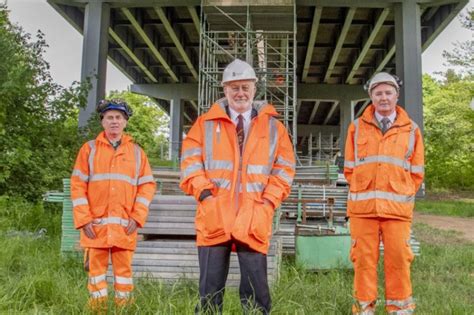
170,215
172,260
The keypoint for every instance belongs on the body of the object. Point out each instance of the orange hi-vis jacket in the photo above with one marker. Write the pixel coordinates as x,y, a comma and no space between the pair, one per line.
211,160
108,187
384,171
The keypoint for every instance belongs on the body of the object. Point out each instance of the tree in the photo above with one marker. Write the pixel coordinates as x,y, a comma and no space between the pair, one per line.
463,54
38,129
449,137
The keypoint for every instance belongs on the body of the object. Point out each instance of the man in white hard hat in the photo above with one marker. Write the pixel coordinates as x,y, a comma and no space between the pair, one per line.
384,166
238,162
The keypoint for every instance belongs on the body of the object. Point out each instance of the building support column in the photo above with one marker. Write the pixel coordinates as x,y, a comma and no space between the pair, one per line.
408,58
94,55
176,128
347,115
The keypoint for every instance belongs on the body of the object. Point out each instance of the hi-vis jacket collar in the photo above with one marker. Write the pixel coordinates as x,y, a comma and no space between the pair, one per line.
218,110
102,138
402,117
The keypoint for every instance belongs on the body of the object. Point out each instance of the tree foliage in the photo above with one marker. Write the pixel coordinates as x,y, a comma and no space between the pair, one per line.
38,129
462,55
39,135
449,137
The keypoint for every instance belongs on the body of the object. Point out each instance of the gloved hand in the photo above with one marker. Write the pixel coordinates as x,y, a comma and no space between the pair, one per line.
89,230
132,226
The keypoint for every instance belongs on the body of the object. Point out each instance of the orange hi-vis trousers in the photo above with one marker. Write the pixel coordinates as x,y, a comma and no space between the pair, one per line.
122,268
366,234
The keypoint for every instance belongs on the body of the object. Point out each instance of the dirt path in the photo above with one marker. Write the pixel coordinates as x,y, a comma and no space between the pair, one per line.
463,225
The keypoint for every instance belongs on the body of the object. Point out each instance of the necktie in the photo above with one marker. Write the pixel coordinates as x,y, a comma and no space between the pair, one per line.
385,121
240,132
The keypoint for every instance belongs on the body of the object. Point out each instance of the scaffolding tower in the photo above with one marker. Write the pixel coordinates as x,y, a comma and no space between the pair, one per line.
247,30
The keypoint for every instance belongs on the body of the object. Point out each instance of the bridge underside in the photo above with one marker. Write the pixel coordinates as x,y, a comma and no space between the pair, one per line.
339,44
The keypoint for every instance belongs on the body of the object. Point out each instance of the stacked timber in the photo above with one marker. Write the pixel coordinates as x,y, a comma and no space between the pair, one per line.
168,250
167,181
171,260
316,174
170,215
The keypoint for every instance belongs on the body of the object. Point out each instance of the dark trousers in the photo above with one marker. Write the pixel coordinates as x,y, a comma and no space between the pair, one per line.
214,268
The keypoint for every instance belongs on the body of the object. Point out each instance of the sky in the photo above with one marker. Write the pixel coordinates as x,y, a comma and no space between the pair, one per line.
65,43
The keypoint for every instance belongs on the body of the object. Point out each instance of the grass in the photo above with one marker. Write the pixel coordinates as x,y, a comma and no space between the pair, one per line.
36,279
457,208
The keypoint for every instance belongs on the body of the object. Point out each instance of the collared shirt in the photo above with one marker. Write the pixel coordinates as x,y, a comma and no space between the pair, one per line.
390,117
247,118
116,144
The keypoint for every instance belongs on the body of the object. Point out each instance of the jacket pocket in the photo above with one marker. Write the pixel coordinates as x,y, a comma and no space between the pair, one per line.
402,185
360,182
362,147
261,225
209,218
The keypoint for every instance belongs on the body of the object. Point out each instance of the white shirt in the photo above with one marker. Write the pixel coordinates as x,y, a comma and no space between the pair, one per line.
390,117
247,118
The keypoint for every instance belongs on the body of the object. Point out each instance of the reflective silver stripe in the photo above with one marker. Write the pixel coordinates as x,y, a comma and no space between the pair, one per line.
113,176
99,294
143,200
417,169
123,280
377,194
146,179
210,163
191,169
282,161
82,176
138,162
110,220
191,152
80,202
283,174
254,187
386,159
402,312
411,140
383,159
219,165
273,141
208,138
221,182
366,308
97,279
364,305
356,136
349,164
91,157
258,169
401,304
122,294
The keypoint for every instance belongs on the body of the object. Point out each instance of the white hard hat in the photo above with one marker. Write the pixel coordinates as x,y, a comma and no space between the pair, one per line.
238,70
383,77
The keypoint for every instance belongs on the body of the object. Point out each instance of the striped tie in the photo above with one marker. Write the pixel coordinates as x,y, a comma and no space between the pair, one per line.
240,132
385,121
